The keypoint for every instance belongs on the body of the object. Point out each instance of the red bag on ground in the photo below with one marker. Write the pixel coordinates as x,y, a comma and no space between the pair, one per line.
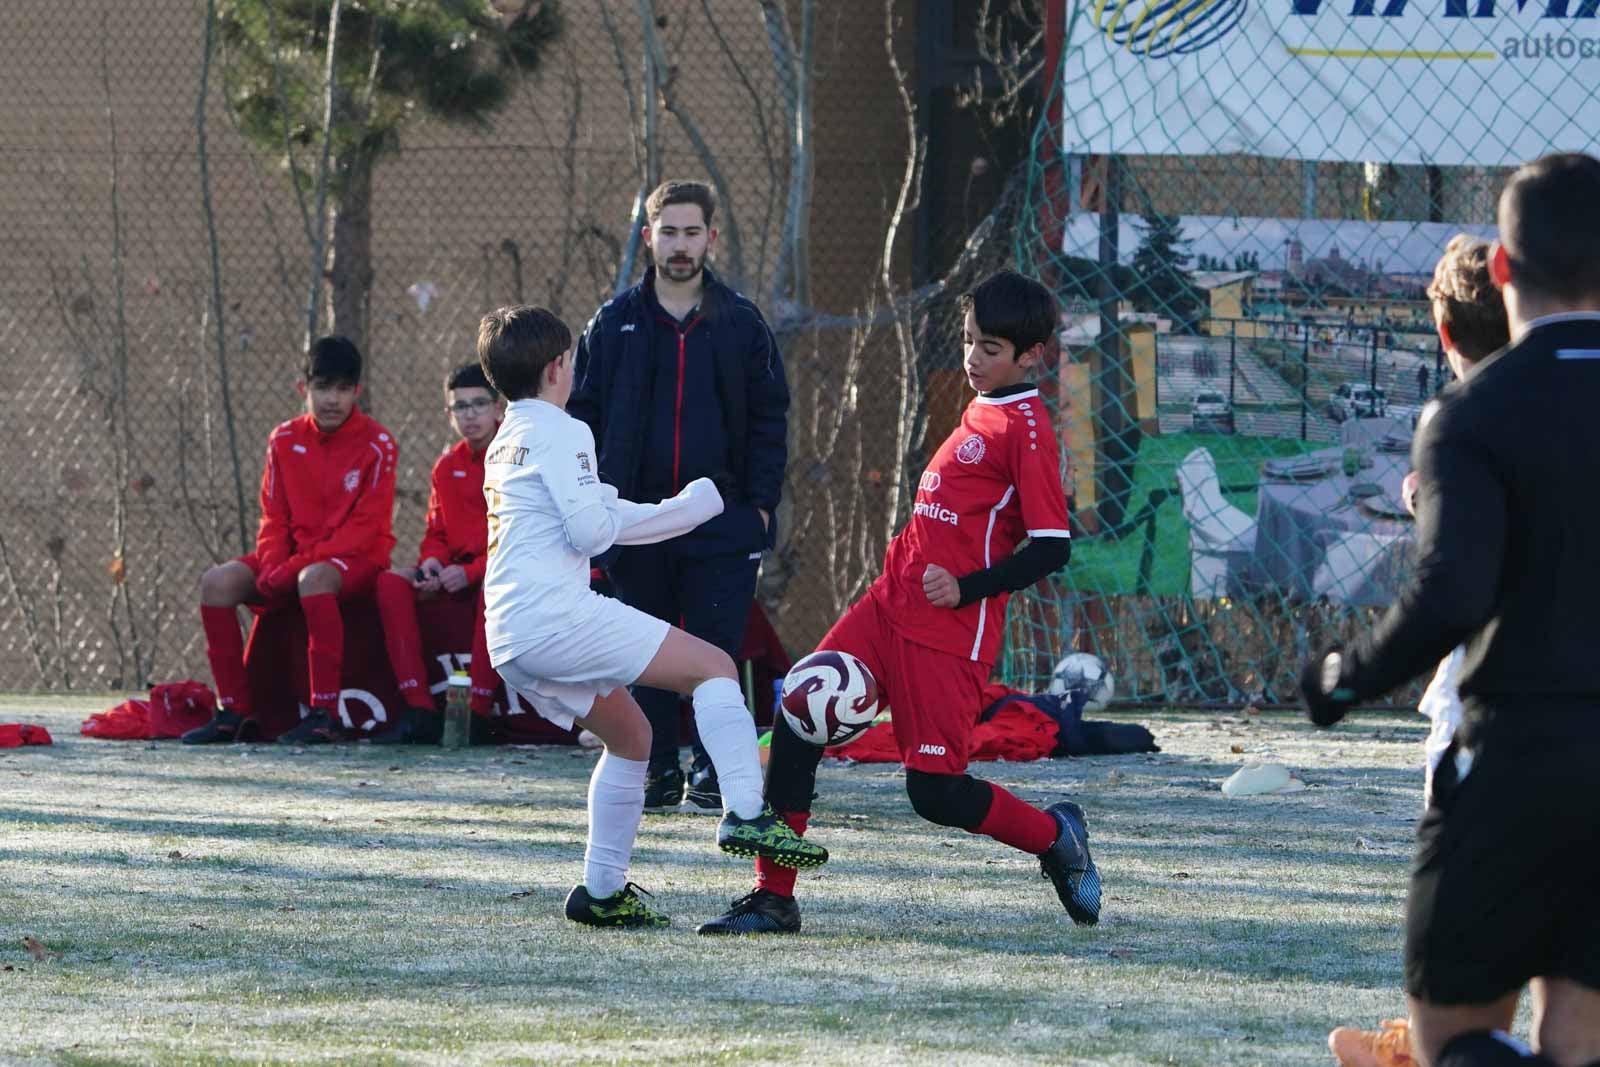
128,721
172,710
16,734
178,707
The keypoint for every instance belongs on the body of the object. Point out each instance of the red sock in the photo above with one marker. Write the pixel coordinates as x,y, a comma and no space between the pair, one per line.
325,626
225,650
397,606
776,879
485,681
1018,824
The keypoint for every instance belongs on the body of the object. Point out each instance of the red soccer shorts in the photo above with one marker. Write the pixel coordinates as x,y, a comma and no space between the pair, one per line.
359,574
935,697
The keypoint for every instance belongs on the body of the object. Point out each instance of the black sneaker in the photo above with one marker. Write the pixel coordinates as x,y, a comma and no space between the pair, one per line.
413,728
622,908
760,912
317,728
768,837
1068,865
224,726
703,796
663,791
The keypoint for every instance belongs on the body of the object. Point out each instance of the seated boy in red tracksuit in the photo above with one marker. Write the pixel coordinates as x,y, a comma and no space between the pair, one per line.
327,506
450,562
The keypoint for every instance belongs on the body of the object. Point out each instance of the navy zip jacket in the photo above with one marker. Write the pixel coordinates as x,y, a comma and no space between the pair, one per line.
670,402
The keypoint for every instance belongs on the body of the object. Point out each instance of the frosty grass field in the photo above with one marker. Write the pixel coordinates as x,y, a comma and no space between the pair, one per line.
259,904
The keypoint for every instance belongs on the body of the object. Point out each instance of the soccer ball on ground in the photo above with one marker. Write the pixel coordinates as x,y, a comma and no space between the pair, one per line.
1087,673
829,698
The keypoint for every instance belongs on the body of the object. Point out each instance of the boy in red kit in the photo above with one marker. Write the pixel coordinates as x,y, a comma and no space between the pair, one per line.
929,628
451,560
327,505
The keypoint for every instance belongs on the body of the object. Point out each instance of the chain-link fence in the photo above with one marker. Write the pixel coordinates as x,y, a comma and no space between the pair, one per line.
1248,345
1245,345
154,290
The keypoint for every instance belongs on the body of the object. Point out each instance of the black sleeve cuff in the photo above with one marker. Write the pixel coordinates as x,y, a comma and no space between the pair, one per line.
1028,564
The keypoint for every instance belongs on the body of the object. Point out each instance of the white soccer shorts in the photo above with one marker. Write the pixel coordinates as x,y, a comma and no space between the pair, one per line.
564,674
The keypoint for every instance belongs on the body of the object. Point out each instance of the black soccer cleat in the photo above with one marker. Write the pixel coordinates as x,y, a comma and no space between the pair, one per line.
1067,864
664,791
416,727
624,908
702,795
759,912
768,837
224,726
318,728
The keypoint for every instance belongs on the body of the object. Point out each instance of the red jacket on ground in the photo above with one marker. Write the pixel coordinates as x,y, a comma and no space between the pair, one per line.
458,516
327,494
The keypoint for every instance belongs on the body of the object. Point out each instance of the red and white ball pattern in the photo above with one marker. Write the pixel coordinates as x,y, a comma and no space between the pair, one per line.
829,698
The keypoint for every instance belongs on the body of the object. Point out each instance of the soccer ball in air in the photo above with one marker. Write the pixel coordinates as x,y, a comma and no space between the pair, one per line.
1086,673
829,698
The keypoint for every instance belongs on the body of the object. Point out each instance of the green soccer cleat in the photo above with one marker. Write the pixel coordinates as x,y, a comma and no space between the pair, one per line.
622,908
768,837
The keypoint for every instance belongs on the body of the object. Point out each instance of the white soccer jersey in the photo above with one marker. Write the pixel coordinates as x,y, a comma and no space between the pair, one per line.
549,514
539,480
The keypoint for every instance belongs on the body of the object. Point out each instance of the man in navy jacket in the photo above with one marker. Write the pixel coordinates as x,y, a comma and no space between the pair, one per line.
680,378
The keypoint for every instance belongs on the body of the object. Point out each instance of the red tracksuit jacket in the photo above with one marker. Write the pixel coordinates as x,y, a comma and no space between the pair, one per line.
327,494
458,517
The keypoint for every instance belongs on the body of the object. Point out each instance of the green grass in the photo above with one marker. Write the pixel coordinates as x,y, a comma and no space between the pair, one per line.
1102,565
255,904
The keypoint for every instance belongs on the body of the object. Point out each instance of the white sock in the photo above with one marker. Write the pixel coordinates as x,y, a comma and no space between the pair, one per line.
616,804
728,734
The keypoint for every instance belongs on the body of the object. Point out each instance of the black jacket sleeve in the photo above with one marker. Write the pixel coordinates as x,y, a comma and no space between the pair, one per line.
585,403
767,430
1034,560
1460,546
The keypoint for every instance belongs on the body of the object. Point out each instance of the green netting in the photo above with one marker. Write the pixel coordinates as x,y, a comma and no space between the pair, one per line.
1246,344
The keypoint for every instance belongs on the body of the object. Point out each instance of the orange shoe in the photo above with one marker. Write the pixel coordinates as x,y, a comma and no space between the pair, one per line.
1386,1047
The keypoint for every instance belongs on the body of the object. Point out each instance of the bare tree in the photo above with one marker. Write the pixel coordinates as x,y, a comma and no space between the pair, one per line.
912,415
666,75
795,70
1010,39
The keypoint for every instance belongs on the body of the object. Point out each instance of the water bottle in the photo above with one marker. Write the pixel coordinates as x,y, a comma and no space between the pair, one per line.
457,712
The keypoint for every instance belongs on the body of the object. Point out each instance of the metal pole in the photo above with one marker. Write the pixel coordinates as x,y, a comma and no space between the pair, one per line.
1305,373
1373,377
1233,345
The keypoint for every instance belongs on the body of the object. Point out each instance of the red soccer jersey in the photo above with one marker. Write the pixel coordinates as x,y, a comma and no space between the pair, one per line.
994,481
458,516
327,494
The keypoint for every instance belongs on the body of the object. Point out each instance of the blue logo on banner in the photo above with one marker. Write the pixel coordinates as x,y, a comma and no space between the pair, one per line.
1157,28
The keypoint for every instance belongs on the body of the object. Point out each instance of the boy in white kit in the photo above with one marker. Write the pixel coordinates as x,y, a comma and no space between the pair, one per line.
1471,319
572,652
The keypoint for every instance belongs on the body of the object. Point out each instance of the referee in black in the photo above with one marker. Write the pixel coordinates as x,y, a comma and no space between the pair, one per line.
1505,887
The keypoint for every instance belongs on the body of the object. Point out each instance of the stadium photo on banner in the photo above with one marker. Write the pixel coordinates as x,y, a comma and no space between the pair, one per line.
954,531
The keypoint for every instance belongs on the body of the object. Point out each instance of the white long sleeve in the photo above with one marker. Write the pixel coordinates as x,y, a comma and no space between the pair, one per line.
645,524
592,529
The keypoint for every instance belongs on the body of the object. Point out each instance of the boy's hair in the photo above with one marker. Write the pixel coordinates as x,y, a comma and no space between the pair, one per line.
1013,307
1465,300
1549,218
333,359
467,376
668,193
516,344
